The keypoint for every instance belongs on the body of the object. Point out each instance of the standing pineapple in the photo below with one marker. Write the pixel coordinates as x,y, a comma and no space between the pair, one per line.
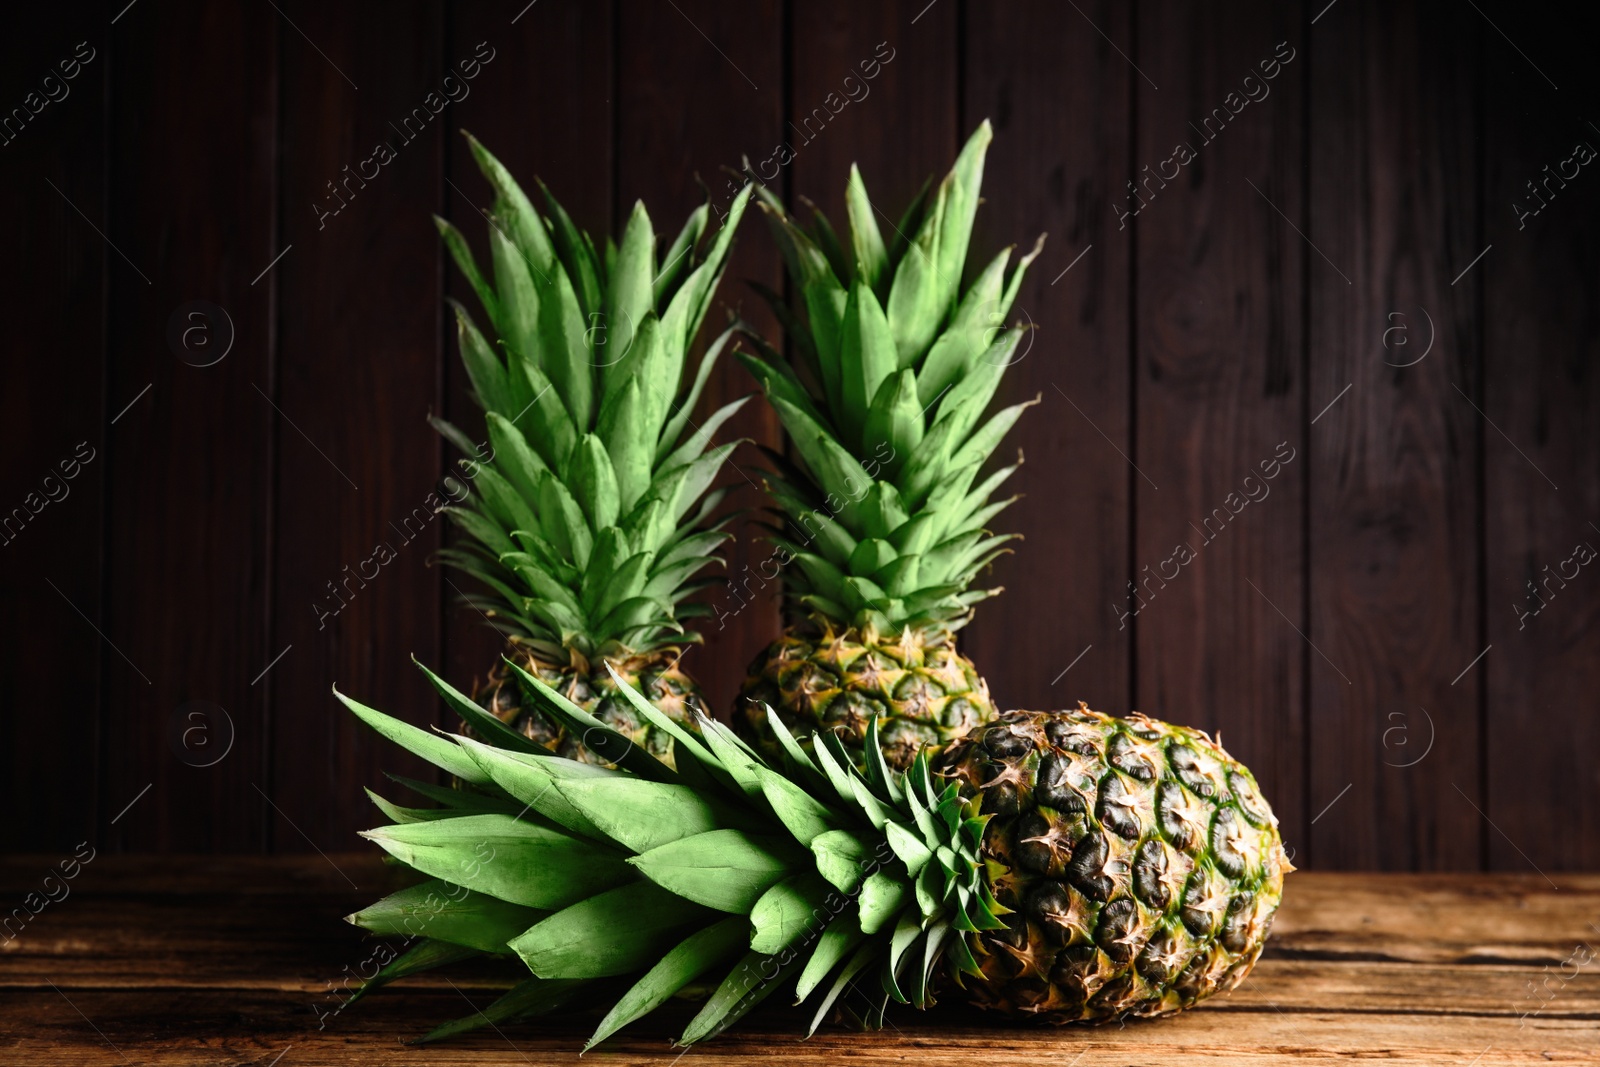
1060,866
591,519
886,511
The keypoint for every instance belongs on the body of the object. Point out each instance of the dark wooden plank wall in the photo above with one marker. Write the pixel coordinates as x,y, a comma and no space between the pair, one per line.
1394,466
1217,384
1539,391
190,480
51,564
1358,627
1075,162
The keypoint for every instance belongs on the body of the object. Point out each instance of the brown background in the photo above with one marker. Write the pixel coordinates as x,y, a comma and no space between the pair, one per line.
1334,632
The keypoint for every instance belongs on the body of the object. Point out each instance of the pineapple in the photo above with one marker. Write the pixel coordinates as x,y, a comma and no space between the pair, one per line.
590,518
886,510
1060,866
1137,860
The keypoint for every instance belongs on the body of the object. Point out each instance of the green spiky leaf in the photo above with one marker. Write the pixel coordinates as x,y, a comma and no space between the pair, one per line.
720,943
584,374
448,913
887,421
587,940
506,857
723,869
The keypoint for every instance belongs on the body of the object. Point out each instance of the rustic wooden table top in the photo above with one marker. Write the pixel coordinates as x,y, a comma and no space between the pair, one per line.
191,961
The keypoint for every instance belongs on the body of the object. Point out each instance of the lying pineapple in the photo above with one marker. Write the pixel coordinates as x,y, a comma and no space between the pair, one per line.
1141,866
1061,866
886,511
592,518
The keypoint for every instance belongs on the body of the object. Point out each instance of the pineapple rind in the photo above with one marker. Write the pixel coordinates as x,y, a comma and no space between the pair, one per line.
1141,865
918,687
595,689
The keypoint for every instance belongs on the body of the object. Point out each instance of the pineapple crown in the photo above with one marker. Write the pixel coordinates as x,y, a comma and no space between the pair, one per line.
591,519
730,868
896,366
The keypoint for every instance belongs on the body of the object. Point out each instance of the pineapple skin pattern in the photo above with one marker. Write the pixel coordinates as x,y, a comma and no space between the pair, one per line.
595,690
1140,863
922,691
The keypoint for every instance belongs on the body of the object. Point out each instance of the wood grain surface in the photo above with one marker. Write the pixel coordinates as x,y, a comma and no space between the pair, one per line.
356,459
1393,463
1075,302
1540,401
199,434
1219,470
235,961
51,564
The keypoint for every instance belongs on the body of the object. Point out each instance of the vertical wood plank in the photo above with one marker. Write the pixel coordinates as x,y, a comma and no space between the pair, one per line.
1219,385
1058,94
359,370
908,125
190,194
1393,462
56,441
555,50
1541,455
700,86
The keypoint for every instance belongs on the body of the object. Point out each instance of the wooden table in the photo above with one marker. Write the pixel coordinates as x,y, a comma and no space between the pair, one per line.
211,961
